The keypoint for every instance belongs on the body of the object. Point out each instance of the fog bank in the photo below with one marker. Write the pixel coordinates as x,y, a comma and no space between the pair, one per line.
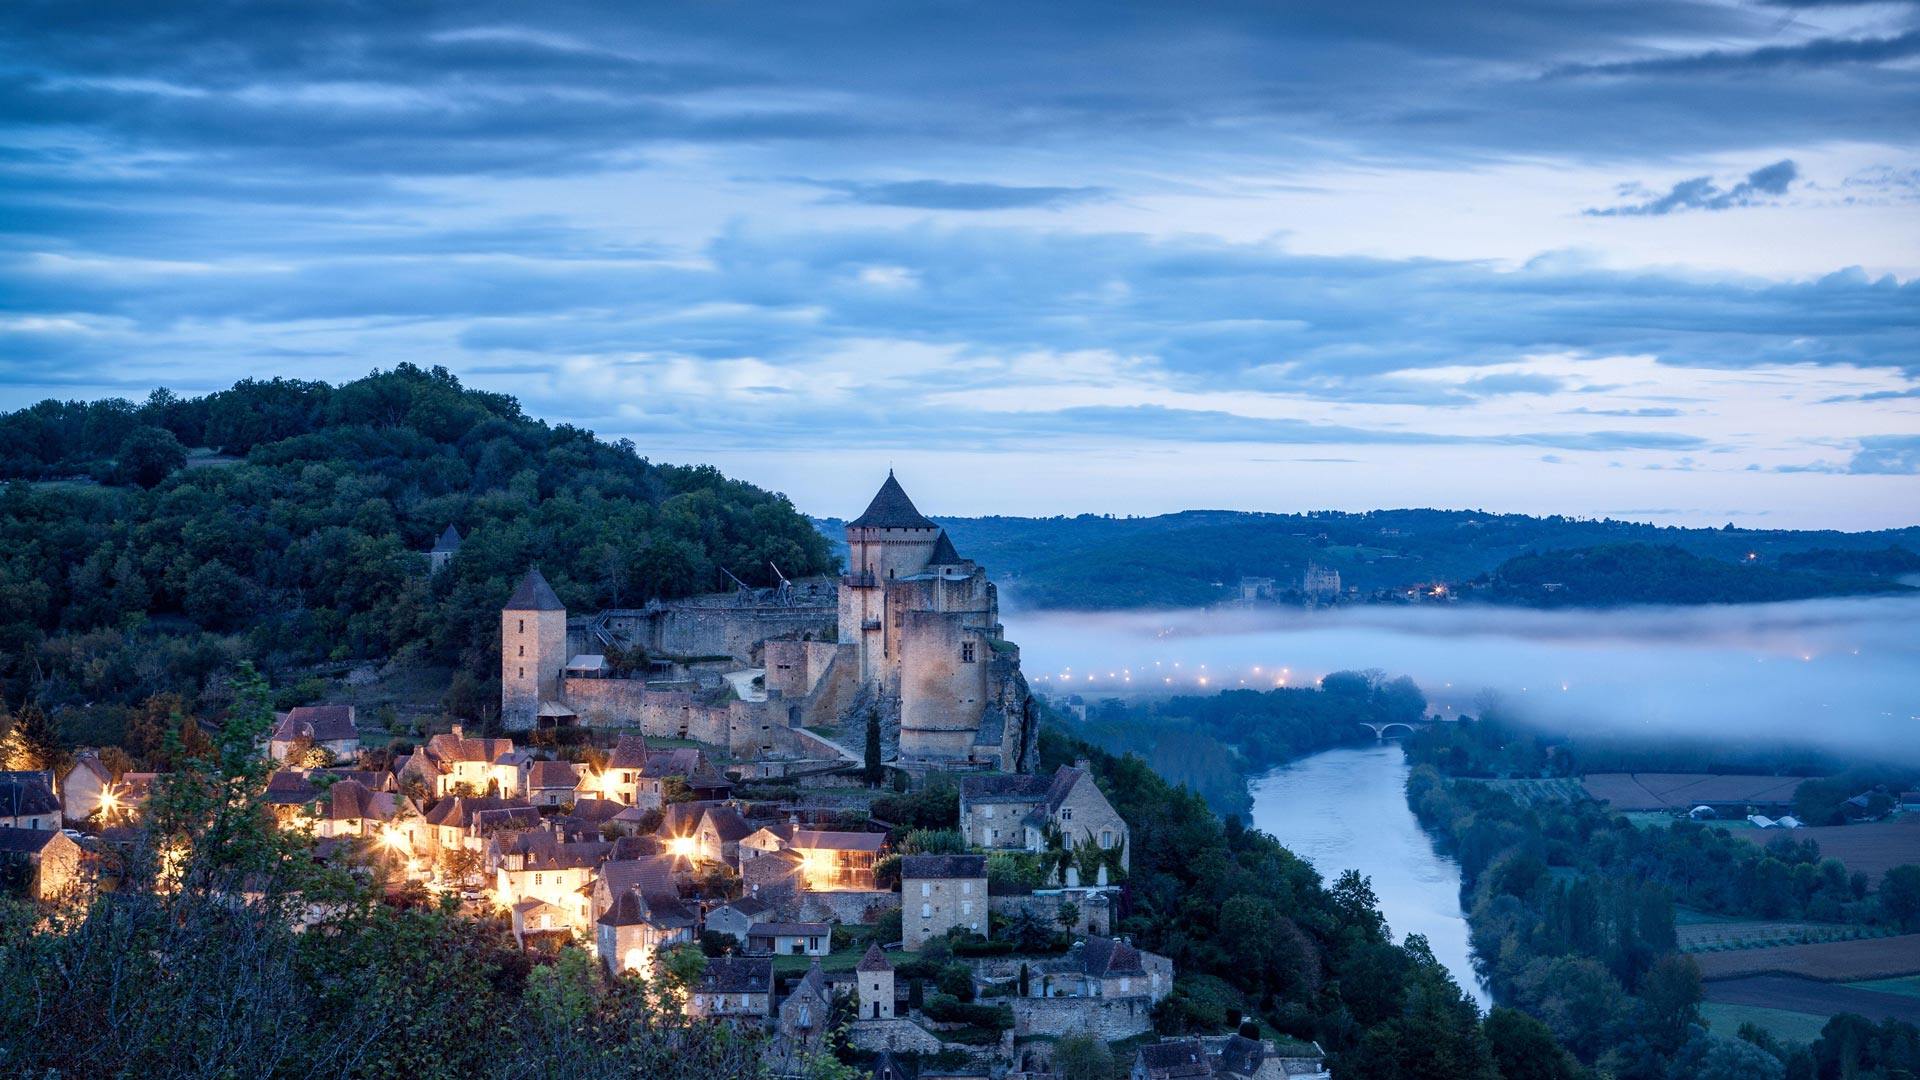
1843,674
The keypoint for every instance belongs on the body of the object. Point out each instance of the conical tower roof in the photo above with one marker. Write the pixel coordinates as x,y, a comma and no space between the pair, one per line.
449,540
534,594
891,509
943,553
874,960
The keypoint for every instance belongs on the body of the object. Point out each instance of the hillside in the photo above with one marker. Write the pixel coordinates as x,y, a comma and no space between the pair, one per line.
129,567
1196,557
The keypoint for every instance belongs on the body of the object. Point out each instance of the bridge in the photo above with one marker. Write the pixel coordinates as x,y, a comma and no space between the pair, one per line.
1395,730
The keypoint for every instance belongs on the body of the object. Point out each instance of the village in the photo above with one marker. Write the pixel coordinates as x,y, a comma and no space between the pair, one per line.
936,901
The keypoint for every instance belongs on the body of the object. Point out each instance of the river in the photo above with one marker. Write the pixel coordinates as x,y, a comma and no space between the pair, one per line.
1346,809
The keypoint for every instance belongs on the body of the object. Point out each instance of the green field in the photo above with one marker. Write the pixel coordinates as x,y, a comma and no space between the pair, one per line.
1905,986
1791,1027
1699,932
1536,792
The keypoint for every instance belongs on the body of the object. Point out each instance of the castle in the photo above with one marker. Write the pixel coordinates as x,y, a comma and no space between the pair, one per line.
910,633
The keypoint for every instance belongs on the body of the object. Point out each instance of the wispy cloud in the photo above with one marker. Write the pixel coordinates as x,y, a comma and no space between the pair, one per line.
1701,193
954,195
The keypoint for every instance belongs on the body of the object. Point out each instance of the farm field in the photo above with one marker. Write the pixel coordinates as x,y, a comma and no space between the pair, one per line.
1870,849
1838,961
1757,933
1682,791
1908,985
1536,792
1787,1026
1813,998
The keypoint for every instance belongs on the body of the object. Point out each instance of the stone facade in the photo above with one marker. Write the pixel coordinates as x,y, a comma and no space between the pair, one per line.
1112,1019
939,893
533,649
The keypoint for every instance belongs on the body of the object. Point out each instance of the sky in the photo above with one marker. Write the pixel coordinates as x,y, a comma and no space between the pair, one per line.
1649,259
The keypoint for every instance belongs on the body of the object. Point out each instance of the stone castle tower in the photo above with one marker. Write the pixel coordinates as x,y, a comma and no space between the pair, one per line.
875,976
925,625
533,650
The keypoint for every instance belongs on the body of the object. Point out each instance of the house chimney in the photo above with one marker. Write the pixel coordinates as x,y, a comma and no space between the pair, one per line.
459,731
1082,764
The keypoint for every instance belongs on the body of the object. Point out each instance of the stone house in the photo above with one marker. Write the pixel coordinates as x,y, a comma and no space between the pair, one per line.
49,859
874,985
534,918
717,838
939,893
456,822
636,925
86,787
620,780
324,727
1103,967
652,875
789,939
651,788
738,917
451,761
552,783
350,808
1019,812
738,989
533,864
804,1012
765,841
443,550
1174,1059
28,803
776,878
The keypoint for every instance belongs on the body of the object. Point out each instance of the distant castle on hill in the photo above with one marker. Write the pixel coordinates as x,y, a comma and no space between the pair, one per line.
911,632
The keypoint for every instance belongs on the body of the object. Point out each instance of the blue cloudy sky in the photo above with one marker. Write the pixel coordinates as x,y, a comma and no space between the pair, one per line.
1646,258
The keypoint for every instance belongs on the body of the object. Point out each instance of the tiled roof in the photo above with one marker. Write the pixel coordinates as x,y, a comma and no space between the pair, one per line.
1104,957
447,749
727,824
629,752
449,540
1180,1058
554,774
596,812
534,594
458,811
891,509
650,875
633,907
1241,1056
20,798
321,723
943,553
737,975
813,840
516,815
788,929
873,960
290,787
351,800
886,1068
943,866
90,761
747,906
998,789
25,841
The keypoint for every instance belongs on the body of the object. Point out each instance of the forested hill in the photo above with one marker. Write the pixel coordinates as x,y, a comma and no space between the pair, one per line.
133,562
1198,557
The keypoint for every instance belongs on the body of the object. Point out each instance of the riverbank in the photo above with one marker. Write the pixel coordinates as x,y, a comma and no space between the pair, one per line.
1346,809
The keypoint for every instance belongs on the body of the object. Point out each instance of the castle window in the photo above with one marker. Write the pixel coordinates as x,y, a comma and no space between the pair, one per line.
523,673
523,650
523,626
966,652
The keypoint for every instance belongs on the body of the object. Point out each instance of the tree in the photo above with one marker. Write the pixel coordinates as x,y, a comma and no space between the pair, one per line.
29,743
1670,998
874,772
1523,1048
1900,895
1082,1056
149,455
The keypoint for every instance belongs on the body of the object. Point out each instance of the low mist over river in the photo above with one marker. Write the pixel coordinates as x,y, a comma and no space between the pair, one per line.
1844,673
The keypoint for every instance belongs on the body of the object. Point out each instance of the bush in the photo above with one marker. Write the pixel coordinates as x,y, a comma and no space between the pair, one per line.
955,980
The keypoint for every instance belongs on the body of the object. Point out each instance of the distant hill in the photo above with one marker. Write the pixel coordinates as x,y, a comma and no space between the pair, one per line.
130,565
1199,556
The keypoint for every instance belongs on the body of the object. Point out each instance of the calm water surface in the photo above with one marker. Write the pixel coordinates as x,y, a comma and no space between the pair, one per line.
1346,809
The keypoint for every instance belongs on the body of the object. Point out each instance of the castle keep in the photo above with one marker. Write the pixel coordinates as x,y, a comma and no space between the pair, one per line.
911,633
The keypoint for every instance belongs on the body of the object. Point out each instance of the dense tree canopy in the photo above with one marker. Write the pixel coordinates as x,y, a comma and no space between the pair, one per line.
303,539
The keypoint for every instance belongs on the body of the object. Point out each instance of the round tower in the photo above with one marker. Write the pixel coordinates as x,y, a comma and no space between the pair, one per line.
533,650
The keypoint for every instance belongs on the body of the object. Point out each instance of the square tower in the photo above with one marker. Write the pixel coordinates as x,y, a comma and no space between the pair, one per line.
875,977
533,650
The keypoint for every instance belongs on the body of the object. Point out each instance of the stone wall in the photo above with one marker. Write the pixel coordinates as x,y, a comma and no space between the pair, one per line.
747,729
1112,1019
1095,911
856,906
690,630
900,1036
